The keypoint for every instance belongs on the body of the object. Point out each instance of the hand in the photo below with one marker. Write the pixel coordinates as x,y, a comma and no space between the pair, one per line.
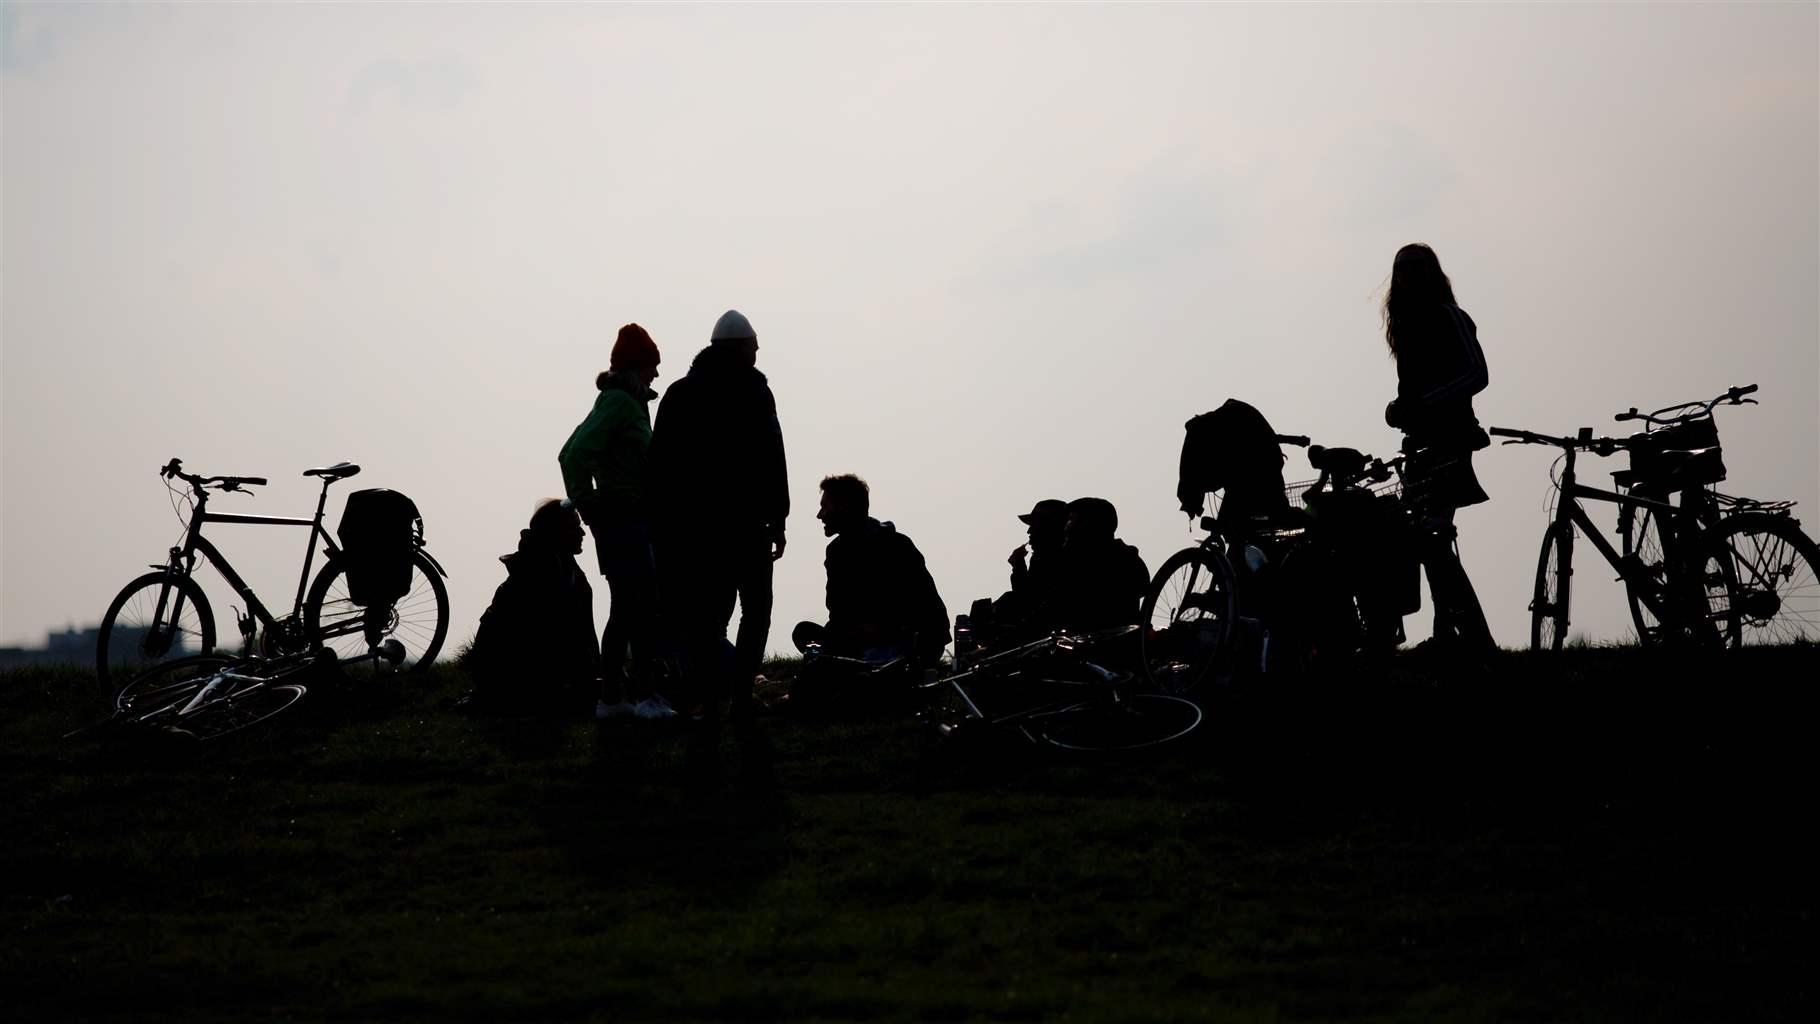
1018,556
777,544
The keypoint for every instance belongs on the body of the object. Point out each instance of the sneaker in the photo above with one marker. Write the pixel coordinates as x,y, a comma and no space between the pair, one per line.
654,707
624,709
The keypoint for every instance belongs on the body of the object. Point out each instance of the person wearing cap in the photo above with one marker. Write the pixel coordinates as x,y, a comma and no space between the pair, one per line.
535,653
1103,579
1035,573
604,471
719,496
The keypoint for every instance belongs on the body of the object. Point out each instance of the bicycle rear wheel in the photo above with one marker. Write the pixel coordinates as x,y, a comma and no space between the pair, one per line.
1120,722
157,617
1764,580
238,711
419,620
1188,617
1549,601
1643,550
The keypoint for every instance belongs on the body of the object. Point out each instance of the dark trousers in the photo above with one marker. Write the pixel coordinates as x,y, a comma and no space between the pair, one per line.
627,561
1458,617
704,573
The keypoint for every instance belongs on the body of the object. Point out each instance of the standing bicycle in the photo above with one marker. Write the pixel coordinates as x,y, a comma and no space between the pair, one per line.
1713,570
165,614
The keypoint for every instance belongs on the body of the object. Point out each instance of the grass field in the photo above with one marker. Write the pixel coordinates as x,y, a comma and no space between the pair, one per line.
1598,836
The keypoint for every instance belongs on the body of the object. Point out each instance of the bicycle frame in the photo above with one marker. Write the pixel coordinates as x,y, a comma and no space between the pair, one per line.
1673,518
183,559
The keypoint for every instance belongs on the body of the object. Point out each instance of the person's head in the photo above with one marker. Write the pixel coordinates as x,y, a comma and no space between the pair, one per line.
1091,521
734,333
556,524
1418,287
1047,521
846,502
635,355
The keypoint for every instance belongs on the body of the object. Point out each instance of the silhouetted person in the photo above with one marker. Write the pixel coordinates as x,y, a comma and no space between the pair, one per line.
1440,366
1103,578
882,603
1036,574
534,653
604,470
719,499
1233,449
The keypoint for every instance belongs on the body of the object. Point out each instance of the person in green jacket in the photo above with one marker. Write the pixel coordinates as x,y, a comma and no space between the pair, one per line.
603,471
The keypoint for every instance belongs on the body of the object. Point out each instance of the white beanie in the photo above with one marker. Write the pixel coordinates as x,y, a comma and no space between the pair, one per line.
733,326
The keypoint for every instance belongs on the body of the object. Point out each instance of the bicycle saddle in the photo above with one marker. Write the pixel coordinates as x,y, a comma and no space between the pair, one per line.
1338,461
335,472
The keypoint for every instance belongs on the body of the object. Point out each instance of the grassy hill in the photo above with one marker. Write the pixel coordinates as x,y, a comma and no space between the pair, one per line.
1603,835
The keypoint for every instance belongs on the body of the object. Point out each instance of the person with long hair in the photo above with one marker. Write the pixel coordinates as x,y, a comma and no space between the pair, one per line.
1440,366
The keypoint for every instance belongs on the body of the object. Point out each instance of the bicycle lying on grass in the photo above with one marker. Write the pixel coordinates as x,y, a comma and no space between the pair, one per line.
203,697
1052,692
1715,570
164,613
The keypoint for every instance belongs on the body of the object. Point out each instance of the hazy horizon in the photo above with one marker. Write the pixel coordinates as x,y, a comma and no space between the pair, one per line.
992,254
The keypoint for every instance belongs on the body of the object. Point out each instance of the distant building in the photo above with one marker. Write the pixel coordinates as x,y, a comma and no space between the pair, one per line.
66,647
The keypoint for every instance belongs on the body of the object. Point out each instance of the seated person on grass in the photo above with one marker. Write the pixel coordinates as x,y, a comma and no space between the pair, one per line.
882,603
1103,579
536,652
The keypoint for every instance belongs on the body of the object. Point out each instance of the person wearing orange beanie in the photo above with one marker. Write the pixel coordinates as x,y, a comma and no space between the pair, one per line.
604,472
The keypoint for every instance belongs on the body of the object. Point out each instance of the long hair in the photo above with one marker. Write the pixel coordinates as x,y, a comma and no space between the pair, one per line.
1418,288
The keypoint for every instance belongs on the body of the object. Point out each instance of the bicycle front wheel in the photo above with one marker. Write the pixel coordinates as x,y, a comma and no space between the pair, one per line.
1187,616
1772,572
1123,722
1554,575
419,620
1643,551
157,617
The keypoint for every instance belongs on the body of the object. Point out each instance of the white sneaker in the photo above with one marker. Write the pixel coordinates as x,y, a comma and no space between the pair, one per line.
654,707
605,711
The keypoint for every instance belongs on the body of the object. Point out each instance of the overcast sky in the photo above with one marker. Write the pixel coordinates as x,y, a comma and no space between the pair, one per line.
993,254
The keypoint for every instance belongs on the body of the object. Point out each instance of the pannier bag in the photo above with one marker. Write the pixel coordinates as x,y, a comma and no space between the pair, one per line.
1678,457
379,531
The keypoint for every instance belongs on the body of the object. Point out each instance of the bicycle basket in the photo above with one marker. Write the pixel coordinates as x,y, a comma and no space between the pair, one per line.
379,534
1679,456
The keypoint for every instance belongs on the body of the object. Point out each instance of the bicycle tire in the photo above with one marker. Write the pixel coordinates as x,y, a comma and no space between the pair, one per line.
1643,551
1771,570
1127,722
150,692
419,620
1549,601
137,632
238,711
1187,619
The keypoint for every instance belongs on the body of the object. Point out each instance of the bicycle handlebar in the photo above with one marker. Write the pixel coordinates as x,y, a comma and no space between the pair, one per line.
174,468
1584,441
1732,396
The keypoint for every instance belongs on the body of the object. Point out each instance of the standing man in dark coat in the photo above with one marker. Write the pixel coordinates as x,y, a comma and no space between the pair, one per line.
719,497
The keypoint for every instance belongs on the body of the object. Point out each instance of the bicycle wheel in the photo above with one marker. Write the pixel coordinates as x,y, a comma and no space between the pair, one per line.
238,710
161,688
419,620
1122,722
158,616
1643,551
1763,578
1187,617
1554,575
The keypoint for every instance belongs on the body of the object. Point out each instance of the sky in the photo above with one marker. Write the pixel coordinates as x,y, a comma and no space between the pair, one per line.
992,253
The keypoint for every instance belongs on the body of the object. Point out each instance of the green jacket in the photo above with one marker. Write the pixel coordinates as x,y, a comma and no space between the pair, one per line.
603,461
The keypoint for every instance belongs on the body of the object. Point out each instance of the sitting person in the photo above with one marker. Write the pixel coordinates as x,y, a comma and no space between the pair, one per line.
1035,571
882,603
536,652
1103,579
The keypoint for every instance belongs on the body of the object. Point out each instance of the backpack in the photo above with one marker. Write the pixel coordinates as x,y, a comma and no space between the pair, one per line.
380,531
